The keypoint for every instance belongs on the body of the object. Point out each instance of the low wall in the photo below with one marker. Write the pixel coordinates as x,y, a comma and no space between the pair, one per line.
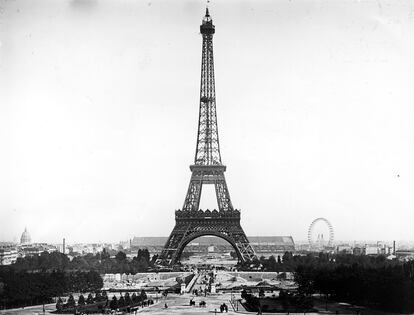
258,275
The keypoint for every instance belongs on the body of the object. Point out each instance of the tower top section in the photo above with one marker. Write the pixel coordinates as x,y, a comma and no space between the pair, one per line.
207,26
208,149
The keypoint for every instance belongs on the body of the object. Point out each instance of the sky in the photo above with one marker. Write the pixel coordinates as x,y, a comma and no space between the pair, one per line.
99,112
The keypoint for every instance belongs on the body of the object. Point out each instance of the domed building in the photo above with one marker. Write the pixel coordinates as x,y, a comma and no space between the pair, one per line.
25,239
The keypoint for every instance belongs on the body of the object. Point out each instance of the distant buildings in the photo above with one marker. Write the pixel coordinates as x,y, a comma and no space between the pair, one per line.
83,249
378,248
25,238
8,253
35,249
268,245
344,249
369,248
263,245
405,254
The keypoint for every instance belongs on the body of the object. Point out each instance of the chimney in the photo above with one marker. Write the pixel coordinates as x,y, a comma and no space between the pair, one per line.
63,245
393,248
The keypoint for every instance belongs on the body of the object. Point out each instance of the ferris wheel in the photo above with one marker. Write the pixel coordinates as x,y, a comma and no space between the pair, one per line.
318,240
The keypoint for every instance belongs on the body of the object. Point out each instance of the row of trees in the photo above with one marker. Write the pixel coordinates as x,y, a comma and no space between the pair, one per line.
380,285
285,302
36,279
71,303
100,301
127,300
372,281
290,262
100,262
31,288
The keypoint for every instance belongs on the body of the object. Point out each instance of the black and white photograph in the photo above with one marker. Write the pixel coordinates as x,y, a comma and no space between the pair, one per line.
206,156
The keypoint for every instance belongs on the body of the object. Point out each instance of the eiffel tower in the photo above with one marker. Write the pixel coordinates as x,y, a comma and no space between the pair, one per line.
190,221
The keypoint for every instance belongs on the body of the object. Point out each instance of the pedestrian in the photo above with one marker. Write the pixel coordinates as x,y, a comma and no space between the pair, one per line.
165,305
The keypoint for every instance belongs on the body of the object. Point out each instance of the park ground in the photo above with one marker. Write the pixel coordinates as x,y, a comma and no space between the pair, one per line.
180,305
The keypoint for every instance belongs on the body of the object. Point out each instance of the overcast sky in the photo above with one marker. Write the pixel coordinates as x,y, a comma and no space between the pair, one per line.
99,110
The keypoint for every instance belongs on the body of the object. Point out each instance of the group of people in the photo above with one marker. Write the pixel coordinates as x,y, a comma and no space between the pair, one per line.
224,308
201,304
200,291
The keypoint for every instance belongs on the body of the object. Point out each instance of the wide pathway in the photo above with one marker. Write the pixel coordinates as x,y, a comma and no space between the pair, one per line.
180,304
31,310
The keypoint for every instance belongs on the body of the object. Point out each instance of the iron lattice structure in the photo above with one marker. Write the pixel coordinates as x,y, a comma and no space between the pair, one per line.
207,169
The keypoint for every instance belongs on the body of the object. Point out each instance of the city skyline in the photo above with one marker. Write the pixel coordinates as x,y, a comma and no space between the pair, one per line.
16,240
101,104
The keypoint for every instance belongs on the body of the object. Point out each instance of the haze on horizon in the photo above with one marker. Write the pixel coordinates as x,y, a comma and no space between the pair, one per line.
99,113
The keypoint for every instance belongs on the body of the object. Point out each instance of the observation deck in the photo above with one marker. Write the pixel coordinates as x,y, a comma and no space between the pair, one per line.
207,214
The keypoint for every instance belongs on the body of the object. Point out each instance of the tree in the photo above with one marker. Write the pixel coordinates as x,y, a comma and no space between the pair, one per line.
44,262
94,281
79,263
81,300
127,299
121,302
59,304
287,257
89,300
56,283
120,256
114,303
140,264
142,261
272,263
71,301
144,253
105,254
31,288
98,297
143,295
304,277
